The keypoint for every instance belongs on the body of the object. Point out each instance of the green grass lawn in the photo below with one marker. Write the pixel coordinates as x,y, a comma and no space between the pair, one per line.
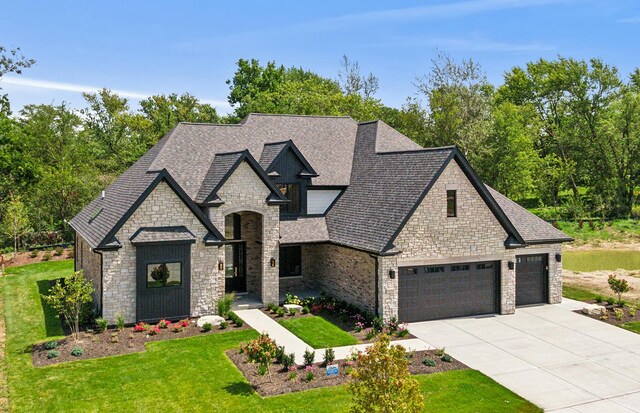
595,260
190,374
616,230
577,293
632,326
318,332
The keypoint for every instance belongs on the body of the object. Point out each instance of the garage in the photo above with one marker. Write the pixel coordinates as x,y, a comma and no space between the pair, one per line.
531,279
448,290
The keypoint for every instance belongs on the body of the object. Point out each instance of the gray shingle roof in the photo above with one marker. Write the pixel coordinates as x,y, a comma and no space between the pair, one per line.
270,153
221,164
531,227
162,234
304,230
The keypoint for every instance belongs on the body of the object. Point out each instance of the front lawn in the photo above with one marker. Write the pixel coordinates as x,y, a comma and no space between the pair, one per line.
632,326
578,294
318,332
190,374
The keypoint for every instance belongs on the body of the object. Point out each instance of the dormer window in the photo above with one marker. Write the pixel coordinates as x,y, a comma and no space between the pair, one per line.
292,193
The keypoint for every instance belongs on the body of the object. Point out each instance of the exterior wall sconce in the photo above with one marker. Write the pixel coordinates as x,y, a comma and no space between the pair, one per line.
511,265
558,258
220,266
273,262
392,274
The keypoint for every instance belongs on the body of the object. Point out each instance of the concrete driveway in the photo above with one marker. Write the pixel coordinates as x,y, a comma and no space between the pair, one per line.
559,360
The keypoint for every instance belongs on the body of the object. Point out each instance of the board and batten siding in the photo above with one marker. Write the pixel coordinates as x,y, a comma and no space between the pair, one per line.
318,200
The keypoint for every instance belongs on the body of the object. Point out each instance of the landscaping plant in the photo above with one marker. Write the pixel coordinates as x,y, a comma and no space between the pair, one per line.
225,303
280,312
140,327
619,312
77,351
58,251
120,321
309,373
69,298
261,351
309,357
610,300
289,362
33,253
382,382
46,256
50,345
632,310
224,325
164,323
618,286
280,354
153,330
329,356
52,354
292,299
429,362
446,358
206,327
102,324
292,311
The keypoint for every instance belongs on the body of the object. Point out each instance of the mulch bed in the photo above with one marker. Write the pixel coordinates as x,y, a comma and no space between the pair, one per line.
97,345
280,381
348,326
24,258
611,315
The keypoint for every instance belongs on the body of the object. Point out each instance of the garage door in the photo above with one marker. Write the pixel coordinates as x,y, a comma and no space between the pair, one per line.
452,290
531,279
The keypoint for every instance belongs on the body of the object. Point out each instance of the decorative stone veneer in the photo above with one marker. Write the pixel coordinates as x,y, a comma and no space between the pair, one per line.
245,191
161,208
251,233
89,262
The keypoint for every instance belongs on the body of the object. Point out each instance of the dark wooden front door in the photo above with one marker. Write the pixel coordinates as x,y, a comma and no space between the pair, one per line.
531,279
163,281
235,277
448,290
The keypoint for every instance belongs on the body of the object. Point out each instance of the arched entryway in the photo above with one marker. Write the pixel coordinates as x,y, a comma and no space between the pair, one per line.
243,253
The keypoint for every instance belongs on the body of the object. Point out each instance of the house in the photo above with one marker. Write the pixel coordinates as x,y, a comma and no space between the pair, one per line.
307,203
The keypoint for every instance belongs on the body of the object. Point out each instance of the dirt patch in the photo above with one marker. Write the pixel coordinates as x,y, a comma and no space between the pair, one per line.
596,281
113,342
24,258
347,326
603,245
282,381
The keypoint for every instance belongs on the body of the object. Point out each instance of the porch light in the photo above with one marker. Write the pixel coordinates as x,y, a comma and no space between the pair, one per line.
392,274
511,265
273,262
220,266
558,258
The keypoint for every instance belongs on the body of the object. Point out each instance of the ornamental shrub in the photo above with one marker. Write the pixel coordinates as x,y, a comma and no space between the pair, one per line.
446,358
46,256
77,351
618,286
50,345
69,300
164,323
329,356
429,362
280,354
153,330
309,357
305,310
120,321
140,327
52,354
102,324
224,304
289,361
206,327
381,382
33,253
58,251
309,373
280,312
261,351
224,325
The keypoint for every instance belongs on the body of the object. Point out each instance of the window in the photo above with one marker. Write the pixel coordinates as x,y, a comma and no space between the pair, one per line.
460,268
451,203
485,266
166,274
432,270
290,261
292,193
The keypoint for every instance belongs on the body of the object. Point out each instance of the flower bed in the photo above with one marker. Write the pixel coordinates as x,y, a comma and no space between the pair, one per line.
616,315
112,342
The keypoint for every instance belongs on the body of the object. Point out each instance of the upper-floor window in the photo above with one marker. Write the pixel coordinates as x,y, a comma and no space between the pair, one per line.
292,193
451,203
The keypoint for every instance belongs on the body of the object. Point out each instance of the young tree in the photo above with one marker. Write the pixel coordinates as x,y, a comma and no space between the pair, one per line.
16,221
68,298
618,286
382,381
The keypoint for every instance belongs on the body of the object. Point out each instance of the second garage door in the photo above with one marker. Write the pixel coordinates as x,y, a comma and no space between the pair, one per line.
444,291
531,279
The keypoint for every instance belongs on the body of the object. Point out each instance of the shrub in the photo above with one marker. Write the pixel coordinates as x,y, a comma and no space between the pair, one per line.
177,328
261,351
224,325
359,326
102,324
393,325
280,354
50,345
71,253
305,310
288,362
206,327
280,312
140,327
371,334
377,324
309,373
619,313
293,375
382,381
70,300
292,311
402,331
164,323
309,356
120,321
271,307
52,354
236,319
446,358
58,251
33,253
329,356
618,286
292,299
153,330
46,256
599,299
632,310
114,337
429,362
224,304
610,300
77,351
440,352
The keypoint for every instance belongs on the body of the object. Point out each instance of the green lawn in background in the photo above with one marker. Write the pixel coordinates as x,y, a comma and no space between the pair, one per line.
189,374
594,260
578,294
318,332
632,326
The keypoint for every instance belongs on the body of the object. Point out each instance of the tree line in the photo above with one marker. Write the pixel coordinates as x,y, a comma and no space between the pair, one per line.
552,127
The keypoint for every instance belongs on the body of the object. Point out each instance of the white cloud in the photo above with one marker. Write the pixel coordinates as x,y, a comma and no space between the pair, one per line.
72,87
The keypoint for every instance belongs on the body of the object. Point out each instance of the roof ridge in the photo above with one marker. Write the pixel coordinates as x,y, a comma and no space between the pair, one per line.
209,124
433,149
293,115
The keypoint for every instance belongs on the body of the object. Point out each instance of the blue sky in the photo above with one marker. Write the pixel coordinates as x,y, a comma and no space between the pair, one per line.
141,48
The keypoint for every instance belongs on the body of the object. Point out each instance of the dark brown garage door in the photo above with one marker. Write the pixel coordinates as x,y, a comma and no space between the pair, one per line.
531,279
452,290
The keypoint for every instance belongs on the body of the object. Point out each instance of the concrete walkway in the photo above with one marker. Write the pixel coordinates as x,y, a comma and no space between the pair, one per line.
562,361
283,337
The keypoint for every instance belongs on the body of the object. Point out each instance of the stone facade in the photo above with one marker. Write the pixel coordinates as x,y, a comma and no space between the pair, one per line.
251,233
90,262
245,191
161,208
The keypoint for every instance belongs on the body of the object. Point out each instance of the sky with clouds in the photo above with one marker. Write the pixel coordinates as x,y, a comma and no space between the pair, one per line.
149,47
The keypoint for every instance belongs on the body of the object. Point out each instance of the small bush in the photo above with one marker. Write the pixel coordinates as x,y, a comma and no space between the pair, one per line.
71,253
102,324
52,354
140,327
292,375
280,312
618,286
262,369
58,251
50,345
289,361
271,307
632,310
153,330
305,310
236,319
120,321
206,327
329,356
619,313
164,323
309,373
177,328
224,304
224,325
46,256
292,311
371,334
77,351
279,354
440,352
114,337
309,357
429,362
599,298
377,324
610,300
446,358
33,253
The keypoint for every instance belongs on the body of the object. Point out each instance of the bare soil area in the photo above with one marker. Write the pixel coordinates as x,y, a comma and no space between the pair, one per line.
23,258
282,381
603,245
596,281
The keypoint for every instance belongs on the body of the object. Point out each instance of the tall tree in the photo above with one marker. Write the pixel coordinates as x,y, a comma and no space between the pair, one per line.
353,82
11,61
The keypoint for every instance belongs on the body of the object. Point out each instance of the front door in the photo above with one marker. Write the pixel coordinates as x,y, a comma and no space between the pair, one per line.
235,277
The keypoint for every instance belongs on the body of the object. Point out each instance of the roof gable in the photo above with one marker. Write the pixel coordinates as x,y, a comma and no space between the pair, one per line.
274,152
